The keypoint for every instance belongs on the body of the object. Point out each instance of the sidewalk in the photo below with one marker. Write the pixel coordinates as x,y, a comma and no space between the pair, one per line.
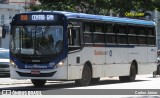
9,81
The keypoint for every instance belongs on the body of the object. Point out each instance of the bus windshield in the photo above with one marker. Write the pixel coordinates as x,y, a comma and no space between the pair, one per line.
37,40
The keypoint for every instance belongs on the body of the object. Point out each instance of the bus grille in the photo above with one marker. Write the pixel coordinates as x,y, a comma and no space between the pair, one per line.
36,75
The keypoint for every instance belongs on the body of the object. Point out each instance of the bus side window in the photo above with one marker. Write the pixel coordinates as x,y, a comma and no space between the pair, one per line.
73,38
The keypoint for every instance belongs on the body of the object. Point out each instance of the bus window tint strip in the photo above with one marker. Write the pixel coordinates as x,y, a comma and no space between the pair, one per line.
110,33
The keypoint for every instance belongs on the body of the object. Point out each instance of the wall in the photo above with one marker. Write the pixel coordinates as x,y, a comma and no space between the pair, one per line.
7,12
157,20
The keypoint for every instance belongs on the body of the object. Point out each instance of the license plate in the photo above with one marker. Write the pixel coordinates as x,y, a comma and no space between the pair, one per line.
35,72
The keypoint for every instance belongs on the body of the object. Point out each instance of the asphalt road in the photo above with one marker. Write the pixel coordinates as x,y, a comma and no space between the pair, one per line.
106,86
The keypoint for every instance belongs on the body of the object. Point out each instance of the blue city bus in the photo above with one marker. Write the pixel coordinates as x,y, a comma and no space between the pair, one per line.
57,45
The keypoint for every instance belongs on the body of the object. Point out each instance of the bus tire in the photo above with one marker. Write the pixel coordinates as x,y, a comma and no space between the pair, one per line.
95,80
86,77
38,83
132,75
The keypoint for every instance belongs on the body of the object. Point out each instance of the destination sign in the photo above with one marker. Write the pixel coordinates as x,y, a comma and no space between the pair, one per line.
37,17
42,17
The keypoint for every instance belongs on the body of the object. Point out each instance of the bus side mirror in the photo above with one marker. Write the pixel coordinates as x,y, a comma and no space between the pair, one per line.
4,31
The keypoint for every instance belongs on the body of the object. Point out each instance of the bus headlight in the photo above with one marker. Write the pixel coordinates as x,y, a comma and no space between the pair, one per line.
13,64
60,64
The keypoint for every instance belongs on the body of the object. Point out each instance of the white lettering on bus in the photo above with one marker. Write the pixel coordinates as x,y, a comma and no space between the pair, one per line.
38,17
50,17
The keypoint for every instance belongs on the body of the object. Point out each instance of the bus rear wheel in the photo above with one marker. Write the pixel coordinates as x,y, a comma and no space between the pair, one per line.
131,77
38,83
86,77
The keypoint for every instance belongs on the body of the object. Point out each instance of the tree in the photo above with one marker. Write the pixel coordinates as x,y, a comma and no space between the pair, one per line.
99,6
84,6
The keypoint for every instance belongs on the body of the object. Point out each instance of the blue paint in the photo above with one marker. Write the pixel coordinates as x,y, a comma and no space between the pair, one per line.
106,18
22,65
59,58
69,15
121,46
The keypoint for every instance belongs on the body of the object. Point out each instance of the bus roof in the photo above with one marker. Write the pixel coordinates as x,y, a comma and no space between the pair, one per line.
71,15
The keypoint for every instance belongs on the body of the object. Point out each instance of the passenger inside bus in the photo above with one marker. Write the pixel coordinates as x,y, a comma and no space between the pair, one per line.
47,42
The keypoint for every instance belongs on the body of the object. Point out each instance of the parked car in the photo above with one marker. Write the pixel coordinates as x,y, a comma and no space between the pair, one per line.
4,61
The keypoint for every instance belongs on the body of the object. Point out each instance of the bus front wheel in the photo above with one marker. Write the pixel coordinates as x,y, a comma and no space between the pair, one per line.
86,77
38,83
131,77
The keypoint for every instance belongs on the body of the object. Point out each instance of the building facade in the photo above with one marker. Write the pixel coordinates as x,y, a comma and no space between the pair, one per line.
8,8
157,20
7,12
22,2
4,1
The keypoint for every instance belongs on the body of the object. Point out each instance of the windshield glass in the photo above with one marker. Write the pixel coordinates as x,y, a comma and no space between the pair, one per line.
37,40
